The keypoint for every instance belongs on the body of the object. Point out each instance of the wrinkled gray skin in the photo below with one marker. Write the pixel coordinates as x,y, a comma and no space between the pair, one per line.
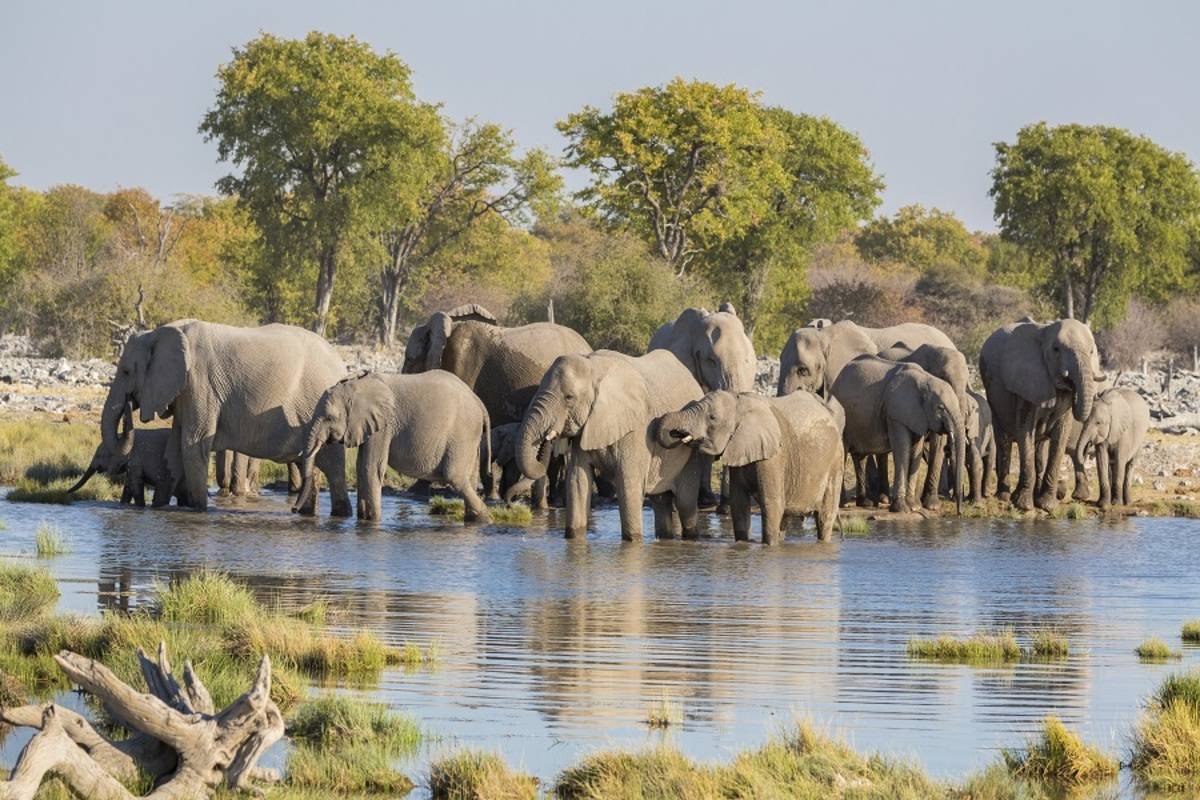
237,474
950,365
814,356
502,478
1115,430
716,350
428,426
784,452
981,446
911,334
605,405
892,407
141,459
252,390
1035,376
502,365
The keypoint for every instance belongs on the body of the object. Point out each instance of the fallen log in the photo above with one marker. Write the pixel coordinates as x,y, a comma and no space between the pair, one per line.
180,740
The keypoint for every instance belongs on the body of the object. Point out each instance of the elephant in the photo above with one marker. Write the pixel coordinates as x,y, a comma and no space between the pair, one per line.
502,477
1116,429
814,356
981,446
605,404
785,452
502,365
911,334
141,458
950,365
716,350
251,390
890,407
428,426
1035,375
237,474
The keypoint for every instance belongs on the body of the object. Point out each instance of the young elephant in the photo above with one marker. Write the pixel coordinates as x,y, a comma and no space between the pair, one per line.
892,407
502,477
141,457
606,404
785,452
981,446
1116,428
427,426
237,474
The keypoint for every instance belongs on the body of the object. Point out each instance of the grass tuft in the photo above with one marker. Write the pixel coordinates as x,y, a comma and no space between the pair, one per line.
1155,649
1166,741
511,514
315,613
1059,756
450,507
413,655
25,592
664,713
55,493
475,775
852,525
980,648
206,598
1049,644
1191,631
1070,511
331,720
49,541
43,451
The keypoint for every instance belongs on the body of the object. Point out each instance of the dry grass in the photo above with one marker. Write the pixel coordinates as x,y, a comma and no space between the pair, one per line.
48,541
1155,649
515,514
664,713
44,452
55,492
25,592
474,775
1061,757
1166,742
1049,644
980,648
1191,631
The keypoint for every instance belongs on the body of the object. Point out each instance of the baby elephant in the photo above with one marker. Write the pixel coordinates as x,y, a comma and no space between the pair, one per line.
428,426
981,445
141,457
785,452
1116,428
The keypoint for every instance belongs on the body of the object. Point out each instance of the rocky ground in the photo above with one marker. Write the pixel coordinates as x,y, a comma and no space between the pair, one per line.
1169,465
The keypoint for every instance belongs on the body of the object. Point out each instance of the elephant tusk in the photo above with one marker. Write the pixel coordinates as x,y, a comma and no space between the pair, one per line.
1066,374
686,438
550,436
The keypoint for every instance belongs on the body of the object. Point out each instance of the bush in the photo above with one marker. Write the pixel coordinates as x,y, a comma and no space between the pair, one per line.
1181,318
848,289
1140,333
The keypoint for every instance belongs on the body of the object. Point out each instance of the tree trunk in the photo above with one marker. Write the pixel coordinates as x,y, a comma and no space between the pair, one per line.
389,306
325,274
179,739
1069,292
752,297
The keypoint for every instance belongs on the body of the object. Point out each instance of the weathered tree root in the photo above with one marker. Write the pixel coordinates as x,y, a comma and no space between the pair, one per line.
180,740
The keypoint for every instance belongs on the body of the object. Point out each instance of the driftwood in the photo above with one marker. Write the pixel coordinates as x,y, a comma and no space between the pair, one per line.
179,739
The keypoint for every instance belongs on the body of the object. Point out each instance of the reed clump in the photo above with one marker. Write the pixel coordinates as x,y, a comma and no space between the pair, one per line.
1059,756
48,541
1166,741
981,648
1155,649
476,775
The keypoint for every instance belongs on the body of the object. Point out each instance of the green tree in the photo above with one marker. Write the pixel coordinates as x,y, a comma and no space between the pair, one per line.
684,166
922,239
318,128
1102,212
475,175
829,185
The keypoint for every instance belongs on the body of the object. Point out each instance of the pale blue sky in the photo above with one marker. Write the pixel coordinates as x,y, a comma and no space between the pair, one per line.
109,94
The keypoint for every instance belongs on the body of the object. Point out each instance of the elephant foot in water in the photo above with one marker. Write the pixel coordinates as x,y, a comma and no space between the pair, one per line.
1047,500
931,502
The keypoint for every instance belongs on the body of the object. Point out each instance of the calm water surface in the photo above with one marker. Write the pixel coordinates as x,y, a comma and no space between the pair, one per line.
552,648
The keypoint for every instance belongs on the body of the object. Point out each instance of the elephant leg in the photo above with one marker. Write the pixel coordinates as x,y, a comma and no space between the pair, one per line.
630,497
1120,485
1023,498
708,500
224,470
1127,483
989,467
1047,497
310,505
1081,492
723,502
827,513
579,493
238,479
331,460
538,493
295,477
139,493
902,446
935,453
914,471
686,498
1003,465
369,470
975,474
666,521
882,482
554,482
739,512
474,509
126,493
772,502
195,474
253,465
1103,475
489,481
860,479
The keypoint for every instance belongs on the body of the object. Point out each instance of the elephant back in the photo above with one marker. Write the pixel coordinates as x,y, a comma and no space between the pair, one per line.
671,385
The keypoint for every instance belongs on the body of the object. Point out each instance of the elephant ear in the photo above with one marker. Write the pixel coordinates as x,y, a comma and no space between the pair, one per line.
472,311
908,397
1122,416
440,326
620,406
166,371
757,435
1023,369
416,348
371,406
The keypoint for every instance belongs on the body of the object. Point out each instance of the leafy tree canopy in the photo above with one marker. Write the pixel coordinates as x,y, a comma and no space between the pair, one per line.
922,239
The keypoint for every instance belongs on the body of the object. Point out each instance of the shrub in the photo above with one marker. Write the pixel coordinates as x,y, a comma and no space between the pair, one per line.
851,290
1140,333
664,713
1181,318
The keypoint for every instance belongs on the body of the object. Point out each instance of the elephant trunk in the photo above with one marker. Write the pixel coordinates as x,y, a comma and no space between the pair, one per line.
117,406
541,425
1084,386
958,439
1081,445
125,439
676,428
313,444
517,489
91,470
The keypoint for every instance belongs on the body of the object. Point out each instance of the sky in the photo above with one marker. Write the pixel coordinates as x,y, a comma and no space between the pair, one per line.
109,94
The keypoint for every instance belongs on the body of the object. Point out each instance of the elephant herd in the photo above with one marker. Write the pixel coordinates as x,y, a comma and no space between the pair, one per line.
534,408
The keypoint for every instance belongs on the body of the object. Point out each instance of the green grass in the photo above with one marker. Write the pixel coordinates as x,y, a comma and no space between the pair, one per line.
1191,631
43,451
55,493
333,720
451,507
511,514
1049,644
1155,649
413,655
475,775
1059,756
25,592
664,713
1070,511
49,541
980,648
206,598
1166,741
852,525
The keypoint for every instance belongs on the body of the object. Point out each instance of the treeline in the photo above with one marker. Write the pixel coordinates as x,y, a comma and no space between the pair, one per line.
354,207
